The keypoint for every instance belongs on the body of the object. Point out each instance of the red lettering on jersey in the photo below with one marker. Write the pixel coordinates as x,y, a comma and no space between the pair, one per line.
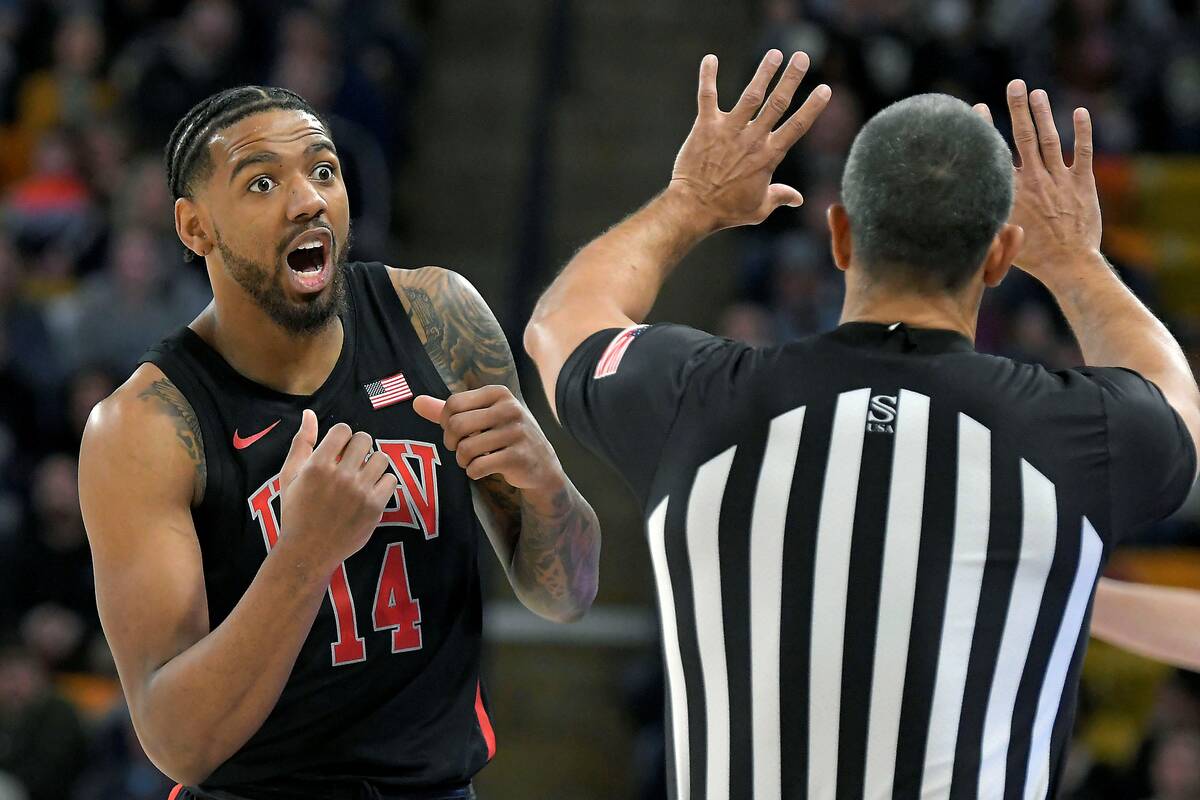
395,607
416,501
349,647
415,505
262,509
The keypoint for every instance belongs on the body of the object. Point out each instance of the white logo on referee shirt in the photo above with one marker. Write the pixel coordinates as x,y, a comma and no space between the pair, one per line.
882,414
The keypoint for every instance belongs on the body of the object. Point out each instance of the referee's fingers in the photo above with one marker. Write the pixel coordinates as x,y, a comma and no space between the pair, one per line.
1024,134
982,110
799,123
1051,145
706,94
1082,164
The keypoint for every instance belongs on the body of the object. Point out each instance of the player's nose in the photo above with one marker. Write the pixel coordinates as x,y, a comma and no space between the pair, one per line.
305,201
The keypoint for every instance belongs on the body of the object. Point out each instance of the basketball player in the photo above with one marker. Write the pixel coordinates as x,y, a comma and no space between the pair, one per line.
284,539
875,548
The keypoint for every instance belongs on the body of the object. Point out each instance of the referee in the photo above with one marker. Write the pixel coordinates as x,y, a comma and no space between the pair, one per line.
875,549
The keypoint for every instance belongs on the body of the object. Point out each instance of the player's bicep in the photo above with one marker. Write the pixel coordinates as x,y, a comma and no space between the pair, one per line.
457,328
149,576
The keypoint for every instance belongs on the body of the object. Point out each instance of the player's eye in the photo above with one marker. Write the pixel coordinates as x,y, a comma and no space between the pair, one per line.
323,172
262,184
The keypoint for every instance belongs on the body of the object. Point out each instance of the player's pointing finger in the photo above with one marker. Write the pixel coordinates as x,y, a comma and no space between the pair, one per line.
706,99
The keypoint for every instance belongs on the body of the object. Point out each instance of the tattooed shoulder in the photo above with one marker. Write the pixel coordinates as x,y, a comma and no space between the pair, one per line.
167,398
459,331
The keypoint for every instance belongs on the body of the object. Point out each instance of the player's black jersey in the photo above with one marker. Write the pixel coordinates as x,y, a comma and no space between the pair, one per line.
385,691
875,550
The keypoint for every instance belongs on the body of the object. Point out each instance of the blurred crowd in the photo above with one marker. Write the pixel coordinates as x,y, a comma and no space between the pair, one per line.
91,272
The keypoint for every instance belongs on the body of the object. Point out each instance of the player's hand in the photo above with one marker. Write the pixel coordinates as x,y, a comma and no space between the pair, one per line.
725,166
1056,205
333,493
492,433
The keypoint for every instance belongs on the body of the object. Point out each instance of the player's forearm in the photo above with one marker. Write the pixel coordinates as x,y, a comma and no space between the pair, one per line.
1158,622
199,708
1114,329
556,562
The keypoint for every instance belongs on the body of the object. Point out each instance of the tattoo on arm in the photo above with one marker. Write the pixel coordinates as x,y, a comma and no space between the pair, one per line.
560,551
462,337
187,427
550,552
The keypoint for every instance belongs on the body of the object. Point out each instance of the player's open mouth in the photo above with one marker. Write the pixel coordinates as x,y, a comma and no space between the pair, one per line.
309,258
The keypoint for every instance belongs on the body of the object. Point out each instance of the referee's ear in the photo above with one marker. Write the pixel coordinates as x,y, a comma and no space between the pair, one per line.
839,235
1002,253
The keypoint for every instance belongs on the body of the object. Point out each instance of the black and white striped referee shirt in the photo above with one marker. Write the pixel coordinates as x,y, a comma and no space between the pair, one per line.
875,549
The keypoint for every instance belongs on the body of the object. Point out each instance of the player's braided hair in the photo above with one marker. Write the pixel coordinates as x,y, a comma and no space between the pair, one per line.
187,158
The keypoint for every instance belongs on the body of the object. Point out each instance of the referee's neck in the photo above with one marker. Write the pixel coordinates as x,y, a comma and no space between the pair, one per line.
958,311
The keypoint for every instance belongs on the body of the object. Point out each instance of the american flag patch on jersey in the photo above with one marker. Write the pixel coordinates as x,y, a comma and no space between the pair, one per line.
388,391
616,351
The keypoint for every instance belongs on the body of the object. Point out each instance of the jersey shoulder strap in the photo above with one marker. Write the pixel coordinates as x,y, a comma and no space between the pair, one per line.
389,329
182,362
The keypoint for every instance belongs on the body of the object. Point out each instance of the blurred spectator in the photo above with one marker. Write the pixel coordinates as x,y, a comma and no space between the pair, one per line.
50,214
71,91
42,742
148,298
47,581
28,347
106,155
1175,766
122,769
161,77
749,323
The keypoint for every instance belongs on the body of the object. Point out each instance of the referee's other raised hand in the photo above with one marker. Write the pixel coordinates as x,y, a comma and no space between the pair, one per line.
726,163
1055,204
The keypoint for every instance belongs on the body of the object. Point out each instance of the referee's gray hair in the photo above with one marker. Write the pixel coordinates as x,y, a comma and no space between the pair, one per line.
927,185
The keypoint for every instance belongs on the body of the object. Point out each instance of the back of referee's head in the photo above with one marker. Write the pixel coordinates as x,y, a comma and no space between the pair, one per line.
927,189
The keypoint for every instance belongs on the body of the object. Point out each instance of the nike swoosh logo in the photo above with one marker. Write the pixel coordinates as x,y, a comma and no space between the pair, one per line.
241,444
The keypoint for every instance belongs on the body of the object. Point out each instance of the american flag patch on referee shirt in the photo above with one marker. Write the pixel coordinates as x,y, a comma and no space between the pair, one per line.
388,391
611,359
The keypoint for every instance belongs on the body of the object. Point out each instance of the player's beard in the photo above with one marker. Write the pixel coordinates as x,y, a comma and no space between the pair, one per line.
262,282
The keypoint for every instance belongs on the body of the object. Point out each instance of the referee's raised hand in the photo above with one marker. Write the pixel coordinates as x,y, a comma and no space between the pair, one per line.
728,158
1055,204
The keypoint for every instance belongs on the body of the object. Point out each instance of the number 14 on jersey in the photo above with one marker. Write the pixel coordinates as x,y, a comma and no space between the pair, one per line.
394,608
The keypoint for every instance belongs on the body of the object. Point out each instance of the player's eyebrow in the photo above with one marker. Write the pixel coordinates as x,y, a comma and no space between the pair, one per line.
264,156
260,157
323,144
